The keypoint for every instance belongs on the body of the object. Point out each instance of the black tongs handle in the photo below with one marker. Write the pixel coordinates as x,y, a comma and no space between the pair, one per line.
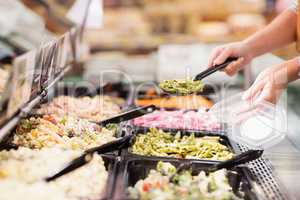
117,144
213,69
88,155
73,165
138,112
242,158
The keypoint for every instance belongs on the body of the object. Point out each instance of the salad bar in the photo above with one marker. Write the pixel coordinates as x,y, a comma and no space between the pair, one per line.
132,158
102,146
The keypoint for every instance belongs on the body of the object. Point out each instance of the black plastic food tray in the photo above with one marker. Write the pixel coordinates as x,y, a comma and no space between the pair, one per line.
137,169
137,130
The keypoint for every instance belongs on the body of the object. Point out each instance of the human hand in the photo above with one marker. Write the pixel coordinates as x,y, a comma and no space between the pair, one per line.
238,50
269,85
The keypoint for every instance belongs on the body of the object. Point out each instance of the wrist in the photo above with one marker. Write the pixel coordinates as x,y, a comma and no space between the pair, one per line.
293,69
298,66
248,49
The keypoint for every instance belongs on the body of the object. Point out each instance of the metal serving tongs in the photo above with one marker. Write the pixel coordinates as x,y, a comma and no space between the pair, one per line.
126,116
87,156
242,158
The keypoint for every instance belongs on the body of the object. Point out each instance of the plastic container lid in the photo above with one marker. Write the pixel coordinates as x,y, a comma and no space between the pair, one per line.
256,125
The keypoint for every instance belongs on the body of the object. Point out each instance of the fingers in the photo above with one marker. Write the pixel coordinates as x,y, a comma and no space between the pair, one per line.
254,90
270,93
266,94
226,53
234,67
215,53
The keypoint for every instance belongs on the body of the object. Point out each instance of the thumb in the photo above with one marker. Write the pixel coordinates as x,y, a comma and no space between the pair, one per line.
223,56
254,90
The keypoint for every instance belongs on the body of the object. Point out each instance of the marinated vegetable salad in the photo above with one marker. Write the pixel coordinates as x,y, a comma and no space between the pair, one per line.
158,186
67,132
159,143
183,87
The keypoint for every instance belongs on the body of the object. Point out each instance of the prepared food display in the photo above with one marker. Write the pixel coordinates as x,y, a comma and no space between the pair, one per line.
192,120
3,79
176,102
66,132
183,87
157,142
95,108
159,185
22,174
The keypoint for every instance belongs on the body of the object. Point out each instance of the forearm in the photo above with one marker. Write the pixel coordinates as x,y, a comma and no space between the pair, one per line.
281,31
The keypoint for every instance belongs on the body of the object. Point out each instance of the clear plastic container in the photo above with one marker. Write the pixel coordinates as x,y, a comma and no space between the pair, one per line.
257,125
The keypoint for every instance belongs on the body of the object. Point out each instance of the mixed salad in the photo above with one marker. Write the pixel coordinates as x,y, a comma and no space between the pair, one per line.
67,132
159,143
184,186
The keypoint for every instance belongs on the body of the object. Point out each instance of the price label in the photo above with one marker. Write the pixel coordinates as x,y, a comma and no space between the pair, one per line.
21,82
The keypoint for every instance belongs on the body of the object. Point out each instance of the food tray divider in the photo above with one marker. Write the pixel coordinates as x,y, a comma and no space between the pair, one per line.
112,165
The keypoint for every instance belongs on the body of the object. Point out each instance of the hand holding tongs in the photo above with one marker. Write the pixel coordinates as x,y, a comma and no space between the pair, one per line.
214,69
87,156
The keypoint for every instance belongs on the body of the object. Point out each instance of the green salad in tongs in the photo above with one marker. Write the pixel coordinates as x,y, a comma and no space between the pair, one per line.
184,186
182,87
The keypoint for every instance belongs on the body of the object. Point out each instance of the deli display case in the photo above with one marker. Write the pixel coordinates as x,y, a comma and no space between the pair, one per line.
78,127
